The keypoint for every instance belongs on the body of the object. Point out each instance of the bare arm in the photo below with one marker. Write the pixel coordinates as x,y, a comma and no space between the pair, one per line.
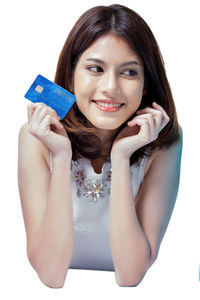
47,208
137,229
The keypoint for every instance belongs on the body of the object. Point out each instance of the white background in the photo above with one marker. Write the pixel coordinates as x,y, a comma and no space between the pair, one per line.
32,36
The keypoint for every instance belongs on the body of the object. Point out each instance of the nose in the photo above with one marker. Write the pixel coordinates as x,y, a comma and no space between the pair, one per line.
110,84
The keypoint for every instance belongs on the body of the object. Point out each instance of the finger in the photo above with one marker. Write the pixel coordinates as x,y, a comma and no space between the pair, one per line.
142,116
36,112
158,122
160,116
41,114
144,127
165,118
141,121
51,110
148,110
151,122
50,120
160,108
41,111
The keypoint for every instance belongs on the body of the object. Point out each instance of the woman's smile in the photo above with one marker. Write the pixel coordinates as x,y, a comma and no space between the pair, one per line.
107,107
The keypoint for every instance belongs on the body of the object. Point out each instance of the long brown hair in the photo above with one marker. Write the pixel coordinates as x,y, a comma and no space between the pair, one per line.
127,24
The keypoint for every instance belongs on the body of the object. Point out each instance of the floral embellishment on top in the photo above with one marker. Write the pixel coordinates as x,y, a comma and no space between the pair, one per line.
92,189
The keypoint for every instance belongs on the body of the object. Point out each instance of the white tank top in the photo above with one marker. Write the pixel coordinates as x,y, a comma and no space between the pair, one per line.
90,197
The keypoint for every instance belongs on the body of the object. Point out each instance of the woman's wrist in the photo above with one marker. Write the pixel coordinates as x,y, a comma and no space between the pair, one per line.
62,155
117,159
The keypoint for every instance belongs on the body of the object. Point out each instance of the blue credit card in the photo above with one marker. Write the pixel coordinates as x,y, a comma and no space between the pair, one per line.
51,94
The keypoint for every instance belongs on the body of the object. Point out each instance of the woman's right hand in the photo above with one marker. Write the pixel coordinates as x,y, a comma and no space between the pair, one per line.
43,123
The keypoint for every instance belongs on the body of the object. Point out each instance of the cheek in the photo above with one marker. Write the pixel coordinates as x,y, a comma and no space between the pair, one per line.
132,87
134,100
82,79
83,86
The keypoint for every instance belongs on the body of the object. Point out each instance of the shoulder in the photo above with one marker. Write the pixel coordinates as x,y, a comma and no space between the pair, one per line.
162,173
165,155
173,150
27,142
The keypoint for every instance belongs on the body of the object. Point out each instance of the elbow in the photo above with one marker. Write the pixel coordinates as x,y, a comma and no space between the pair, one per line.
53,277
52,282
133,282
135,278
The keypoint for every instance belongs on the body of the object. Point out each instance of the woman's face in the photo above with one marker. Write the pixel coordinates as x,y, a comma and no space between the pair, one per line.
108,70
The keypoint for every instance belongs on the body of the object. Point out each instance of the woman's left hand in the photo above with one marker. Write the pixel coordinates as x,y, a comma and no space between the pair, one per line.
142,130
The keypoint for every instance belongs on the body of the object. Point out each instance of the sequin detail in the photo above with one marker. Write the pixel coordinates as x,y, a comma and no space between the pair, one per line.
91,189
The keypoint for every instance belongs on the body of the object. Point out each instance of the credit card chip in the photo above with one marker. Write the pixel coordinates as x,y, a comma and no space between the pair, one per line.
39,88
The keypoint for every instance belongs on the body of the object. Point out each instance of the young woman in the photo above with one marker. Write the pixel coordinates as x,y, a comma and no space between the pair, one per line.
98,188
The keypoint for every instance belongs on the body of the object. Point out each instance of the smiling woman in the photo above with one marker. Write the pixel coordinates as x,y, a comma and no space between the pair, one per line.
98,188
141,63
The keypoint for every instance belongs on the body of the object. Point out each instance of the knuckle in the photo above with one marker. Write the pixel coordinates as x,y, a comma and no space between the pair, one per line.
48,117
53,113
38,105
44,110
50,108
56,115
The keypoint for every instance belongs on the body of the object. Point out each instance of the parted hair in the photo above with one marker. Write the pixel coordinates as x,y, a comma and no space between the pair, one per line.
125,23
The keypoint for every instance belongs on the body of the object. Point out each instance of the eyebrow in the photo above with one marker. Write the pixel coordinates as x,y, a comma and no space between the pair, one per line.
133,62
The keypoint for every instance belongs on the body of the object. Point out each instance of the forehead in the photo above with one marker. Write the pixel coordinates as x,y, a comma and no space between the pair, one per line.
111,48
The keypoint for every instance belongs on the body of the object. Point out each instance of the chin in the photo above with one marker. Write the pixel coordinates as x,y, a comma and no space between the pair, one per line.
108,126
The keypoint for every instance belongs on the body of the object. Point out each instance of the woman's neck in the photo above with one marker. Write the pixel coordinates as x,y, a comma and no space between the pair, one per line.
106,136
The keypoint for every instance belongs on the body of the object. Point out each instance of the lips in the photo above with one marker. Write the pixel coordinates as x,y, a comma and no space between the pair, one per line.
107,101
107,108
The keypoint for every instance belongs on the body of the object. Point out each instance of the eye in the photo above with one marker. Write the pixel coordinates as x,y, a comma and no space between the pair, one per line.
93,68
132,73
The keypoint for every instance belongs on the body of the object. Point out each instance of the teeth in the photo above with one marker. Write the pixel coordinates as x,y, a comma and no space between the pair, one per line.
107,105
